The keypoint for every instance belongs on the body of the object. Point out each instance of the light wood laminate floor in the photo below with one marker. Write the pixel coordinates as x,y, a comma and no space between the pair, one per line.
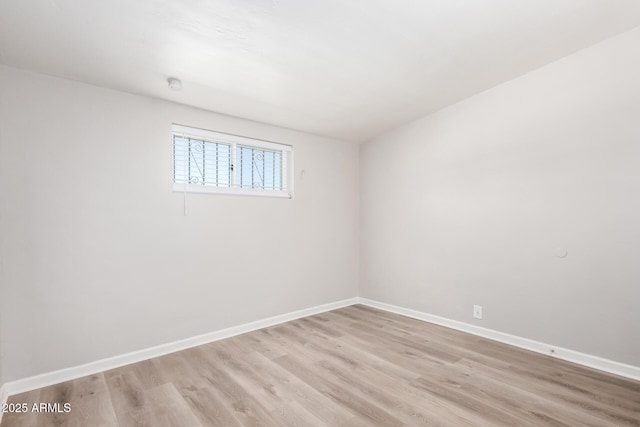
355,366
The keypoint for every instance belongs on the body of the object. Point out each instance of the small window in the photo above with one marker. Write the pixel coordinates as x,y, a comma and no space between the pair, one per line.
212,162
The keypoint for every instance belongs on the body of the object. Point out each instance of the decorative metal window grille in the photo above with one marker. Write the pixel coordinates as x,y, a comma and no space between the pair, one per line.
258,168
207,161
200,162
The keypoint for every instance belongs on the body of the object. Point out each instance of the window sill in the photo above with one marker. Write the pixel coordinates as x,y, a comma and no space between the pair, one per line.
209,189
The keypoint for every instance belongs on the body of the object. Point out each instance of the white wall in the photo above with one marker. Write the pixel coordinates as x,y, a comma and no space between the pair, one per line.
97,257
467,206
2,286
1,378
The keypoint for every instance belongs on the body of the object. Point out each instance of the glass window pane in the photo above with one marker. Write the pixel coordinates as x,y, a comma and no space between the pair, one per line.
200,162
258,168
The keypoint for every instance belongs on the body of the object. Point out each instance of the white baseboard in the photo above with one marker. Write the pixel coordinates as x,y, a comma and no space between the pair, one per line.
613,367
67,374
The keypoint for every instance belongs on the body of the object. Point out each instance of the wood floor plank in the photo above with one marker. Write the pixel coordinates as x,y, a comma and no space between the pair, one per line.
261,388
501,387
352,402
22,419
375,373
245,408
320,405
356,366
89,401
164,407
209,409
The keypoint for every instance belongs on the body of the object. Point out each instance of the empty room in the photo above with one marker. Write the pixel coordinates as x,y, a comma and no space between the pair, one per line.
319,213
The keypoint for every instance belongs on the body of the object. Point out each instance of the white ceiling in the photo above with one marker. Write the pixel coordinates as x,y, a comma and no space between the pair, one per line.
349,69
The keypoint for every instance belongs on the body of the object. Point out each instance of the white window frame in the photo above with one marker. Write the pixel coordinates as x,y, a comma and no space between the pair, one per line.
234,141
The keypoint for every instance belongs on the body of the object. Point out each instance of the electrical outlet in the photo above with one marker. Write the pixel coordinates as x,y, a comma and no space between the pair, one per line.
477,311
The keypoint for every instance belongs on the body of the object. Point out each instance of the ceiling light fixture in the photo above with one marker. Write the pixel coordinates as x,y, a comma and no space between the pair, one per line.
174,84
